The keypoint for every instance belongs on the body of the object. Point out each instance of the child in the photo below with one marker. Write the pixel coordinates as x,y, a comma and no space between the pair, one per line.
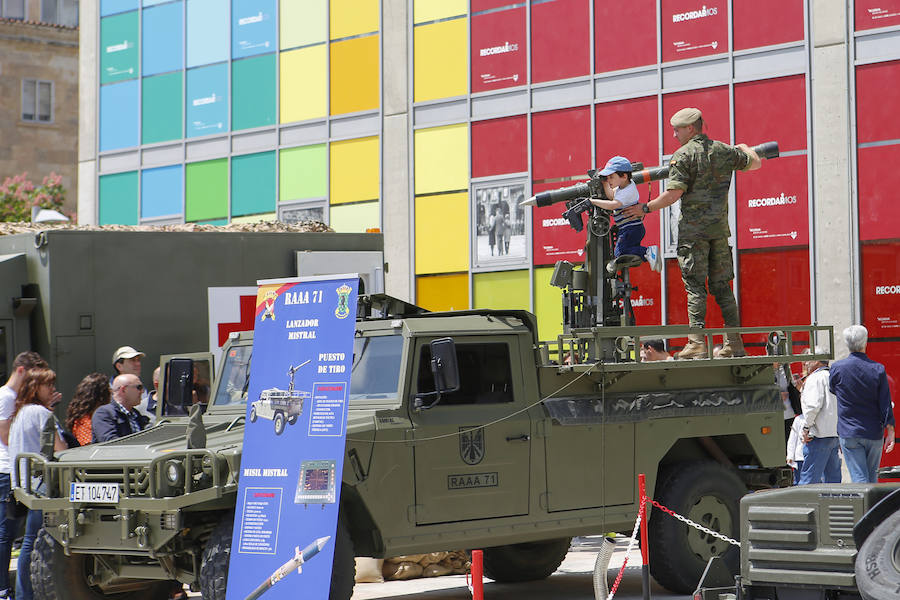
795,447
622,193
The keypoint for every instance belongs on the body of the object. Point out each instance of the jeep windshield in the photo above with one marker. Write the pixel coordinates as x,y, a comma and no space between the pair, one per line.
375,373
235,376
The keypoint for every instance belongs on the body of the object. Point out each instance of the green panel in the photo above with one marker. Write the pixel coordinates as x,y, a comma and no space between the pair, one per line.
252,184
161,103
503,289
206,190
303,173
547,305
119,199
119,47
253,92
216,222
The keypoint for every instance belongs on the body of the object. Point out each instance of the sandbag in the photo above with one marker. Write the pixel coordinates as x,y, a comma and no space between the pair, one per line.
401,571
436,570
368,570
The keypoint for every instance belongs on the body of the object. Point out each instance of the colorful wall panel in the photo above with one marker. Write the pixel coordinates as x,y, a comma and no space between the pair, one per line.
879,178
561,143
355,170
304,84
500,146
355,218
498,52
772,205
873,14
111,7
253,88
162,192
553,238
440,66
876,103
771,109
614,51
161,108
208,27
547,305
441,159
302,23
774,289
118,195
443,292
206,190
442,233
425,11
254,27
161,43
303,173
253,184
628,128
206,101
503,289
881,289
355,73
555,56
119,47
354,17
712,102
767,22
690,30
119,117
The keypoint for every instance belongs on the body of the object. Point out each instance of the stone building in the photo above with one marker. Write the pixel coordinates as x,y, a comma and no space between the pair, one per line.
39,90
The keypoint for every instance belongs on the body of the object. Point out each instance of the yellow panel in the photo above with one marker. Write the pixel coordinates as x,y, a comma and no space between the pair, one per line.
353,17
302,22
442,233
354,75
547,305
503,289
443,292
441,67
255,218
431,10
354,170
304,84
355,218
442,159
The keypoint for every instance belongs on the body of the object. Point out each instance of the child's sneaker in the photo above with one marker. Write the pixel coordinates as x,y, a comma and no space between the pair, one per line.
654,258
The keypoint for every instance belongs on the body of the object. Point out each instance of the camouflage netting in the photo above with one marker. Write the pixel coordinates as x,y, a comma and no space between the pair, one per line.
260,227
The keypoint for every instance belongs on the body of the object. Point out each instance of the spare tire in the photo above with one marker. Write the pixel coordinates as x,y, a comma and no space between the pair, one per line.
878,561
525,562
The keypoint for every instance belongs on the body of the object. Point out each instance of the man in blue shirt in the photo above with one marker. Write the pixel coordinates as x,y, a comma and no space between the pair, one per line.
865,415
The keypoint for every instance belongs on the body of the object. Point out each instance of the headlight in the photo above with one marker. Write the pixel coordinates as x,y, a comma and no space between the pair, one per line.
174,472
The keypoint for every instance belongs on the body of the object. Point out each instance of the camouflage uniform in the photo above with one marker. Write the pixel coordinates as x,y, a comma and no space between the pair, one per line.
702,168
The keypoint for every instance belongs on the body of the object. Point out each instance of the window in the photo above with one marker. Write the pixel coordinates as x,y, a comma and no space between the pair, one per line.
12,9
60,12
484,374
37,100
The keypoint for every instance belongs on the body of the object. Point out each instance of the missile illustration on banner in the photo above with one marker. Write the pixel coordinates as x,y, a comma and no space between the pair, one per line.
300,557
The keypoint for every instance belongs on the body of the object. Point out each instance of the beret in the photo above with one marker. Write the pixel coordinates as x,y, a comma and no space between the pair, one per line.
685,117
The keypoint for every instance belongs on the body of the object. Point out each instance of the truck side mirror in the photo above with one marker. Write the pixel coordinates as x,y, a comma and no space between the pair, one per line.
445,370
180,383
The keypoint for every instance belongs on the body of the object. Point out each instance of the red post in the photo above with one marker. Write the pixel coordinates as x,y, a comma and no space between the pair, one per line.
477,575
645,547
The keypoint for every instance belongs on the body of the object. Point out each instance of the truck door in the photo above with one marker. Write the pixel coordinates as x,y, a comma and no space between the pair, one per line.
465,471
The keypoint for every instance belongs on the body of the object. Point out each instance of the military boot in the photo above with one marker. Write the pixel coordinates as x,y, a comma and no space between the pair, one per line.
696,348
733,346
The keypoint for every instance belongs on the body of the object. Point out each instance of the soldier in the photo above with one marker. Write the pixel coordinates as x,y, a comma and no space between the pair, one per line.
700,175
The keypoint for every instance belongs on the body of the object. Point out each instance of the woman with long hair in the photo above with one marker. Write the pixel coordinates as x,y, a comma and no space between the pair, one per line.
36,398
91,393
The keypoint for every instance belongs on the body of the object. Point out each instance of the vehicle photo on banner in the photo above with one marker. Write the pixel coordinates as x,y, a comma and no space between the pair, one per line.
299,376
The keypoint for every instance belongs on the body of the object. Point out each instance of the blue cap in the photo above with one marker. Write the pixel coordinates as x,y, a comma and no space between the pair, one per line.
615,165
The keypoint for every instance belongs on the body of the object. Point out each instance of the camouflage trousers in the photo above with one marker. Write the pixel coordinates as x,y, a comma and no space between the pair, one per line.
702,260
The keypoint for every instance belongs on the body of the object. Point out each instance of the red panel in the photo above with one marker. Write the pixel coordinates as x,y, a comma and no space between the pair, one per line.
676,309
647,300
877,98
553,239
879,179
888,354
624,39
767,22
771,109
772,205
712,102
692,28
499,146
480,5
871,14
628,128
498,50
555,56
561,143
881,289
774,290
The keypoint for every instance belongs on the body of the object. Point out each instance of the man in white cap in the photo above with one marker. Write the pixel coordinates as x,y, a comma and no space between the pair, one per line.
700,175
127,361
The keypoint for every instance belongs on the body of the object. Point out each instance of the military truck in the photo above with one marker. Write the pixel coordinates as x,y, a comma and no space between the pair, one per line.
283,407
464,431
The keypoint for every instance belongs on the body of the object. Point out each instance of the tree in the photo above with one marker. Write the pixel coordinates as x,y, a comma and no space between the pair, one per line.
18,195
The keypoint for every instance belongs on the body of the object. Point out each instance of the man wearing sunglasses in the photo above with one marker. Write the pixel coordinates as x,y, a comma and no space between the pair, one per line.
120,417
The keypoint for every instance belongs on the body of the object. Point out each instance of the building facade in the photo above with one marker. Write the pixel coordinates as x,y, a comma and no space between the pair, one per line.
39,90
432,119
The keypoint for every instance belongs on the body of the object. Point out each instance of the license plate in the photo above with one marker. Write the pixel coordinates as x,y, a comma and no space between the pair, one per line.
96,493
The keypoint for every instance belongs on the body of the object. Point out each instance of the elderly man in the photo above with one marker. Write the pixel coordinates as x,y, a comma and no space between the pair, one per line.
865,415
820,452
119,418
653,350
700,175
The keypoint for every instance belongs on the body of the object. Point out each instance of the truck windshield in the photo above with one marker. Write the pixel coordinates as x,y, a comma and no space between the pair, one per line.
375,373
235,376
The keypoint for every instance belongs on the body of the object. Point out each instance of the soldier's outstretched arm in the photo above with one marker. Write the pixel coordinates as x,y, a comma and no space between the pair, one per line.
755,160
665,199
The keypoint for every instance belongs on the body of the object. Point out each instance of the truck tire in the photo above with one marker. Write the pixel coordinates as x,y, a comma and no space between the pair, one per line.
55,576
253,414
525,562
707,493
878,561
279,423
292,419
214,563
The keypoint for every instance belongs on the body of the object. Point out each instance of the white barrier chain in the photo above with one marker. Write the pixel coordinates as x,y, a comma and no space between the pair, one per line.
705,530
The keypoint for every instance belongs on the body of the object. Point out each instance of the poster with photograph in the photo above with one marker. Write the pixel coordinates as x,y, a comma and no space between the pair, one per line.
303,211
499,227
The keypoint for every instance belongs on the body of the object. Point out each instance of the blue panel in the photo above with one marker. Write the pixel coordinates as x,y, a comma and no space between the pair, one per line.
161,42
111,7
253,27
207,100
207,31
147,3
161,191
119,115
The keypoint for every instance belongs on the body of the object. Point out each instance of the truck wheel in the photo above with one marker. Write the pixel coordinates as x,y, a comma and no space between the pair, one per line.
279,423
709,494
292,419
253,414
214,564
525,562
55,576
878,561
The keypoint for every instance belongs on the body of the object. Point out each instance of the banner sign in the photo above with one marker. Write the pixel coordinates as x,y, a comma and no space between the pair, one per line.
498,50
772,209
553,238
289,490
881,289
872,14
253,27
692,28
